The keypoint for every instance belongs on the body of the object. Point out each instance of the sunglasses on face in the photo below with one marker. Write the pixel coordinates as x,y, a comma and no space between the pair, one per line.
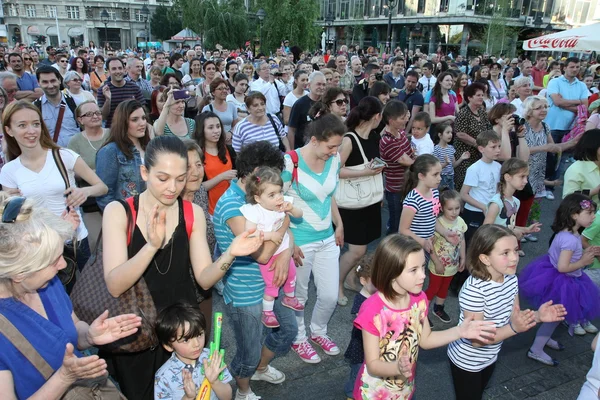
63,61
27,59
340,102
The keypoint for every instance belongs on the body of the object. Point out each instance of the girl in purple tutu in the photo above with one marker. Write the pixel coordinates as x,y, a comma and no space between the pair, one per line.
558,275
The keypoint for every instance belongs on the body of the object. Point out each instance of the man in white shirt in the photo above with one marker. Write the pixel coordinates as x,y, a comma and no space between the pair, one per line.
150,59
427,81
267,85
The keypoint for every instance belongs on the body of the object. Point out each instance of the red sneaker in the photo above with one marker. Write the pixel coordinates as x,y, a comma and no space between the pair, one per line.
269,319
306,352
292,302
326,344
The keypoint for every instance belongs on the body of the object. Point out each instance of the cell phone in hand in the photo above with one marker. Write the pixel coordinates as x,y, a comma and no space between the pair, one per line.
378,163
181,94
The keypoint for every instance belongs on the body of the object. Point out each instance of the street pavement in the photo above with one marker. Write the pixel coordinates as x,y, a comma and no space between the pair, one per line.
515,376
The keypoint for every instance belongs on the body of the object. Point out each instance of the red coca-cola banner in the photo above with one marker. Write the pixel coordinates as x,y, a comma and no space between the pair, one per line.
553,43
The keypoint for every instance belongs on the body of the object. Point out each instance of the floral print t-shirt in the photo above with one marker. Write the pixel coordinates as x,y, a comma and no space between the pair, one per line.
397,330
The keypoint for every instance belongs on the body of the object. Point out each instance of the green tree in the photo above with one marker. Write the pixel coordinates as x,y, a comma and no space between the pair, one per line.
165,22
293,20
497,33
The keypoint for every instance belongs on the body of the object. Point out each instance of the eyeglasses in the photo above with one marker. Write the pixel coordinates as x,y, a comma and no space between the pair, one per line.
223,88
76,80
340,102
63,61
12,210
27,59
92,114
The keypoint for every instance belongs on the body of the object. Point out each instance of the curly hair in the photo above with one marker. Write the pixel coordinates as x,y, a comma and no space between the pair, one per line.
258,154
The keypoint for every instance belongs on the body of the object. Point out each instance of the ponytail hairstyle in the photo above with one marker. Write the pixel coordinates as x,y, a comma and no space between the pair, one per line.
511,167
297,74
366,109
422,165
318,110
449,194
255,182
324,127
572,204
364,268
164,145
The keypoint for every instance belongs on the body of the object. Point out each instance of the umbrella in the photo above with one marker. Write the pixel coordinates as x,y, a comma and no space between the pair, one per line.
582,39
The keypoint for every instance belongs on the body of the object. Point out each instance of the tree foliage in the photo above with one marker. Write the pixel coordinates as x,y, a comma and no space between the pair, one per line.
217,22
496,36
165,22
293,20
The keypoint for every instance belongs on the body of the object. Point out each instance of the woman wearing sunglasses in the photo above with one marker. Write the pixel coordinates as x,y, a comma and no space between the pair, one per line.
33,172
28,63
336,102
73,83
33,300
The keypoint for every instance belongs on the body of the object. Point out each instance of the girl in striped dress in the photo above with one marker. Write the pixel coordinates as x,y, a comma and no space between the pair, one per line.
490,293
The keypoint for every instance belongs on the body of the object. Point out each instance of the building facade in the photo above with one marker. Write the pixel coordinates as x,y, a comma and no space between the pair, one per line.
78,22
365,22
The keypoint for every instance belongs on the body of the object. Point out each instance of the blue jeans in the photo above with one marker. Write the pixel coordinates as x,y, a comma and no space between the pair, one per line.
394,203
552,158
349,385
248,330
447,182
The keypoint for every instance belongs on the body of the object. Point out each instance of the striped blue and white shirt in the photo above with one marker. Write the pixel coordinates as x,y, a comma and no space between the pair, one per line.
312,194
426,212
245,132
495,300
244,285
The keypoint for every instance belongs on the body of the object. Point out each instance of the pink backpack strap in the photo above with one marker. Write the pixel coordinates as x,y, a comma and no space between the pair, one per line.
188,215
294,156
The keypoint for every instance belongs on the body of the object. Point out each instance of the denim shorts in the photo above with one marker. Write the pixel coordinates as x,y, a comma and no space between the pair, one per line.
249,335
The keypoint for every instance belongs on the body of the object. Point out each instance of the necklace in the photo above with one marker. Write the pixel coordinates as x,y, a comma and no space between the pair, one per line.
88,140
170,256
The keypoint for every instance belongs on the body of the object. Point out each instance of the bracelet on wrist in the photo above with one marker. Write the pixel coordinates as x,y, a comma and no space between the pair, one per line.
511,327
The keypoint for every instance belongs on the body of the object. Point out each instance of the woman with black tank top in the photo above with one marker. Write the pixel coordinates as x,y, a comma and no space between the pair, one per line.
160,251
361,226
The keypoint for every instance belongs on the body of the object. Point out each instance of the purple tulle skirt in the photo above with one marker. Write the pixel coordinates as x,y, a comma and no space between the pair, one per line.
540,282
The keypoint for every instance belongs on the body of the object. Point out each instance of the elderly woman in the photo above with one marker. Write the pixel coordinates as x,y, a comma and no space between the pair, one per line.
584,174
227,112
74,89
470,122
522,88
171,121
34,301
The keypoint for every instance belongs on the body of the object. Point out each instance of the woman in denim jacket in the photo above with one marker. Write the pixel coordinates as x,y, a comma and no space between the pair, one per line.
118,161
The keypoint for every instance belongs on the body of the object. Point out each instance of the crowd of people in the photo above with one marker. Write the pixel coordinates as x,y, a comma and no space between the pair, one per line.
219,170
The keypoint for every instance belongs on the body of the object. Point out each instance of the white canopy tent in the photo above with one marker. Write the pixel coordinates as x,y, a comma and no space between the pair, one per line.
582,39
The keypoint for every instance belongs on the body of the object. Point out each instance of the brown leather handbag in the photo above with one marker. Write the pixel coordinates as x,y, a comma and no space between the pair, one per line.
90,298
100,388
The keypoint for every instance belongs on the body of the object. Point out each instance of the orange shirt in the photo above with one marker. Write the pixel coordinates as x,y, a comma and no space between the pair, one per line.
95,83
213,166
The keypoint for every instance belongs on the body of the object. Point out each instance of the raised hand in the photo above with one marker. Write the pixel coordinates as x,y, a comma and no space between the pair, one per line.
245,244
156,225
551,313
212,367
189,387
106,330
74,368
482,331
521,320
106,92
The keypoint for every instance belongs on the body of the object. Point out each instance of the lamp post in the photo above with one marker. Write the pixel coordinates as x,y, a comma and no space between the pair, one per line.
328,22
388,44
146,14
261,14
104,17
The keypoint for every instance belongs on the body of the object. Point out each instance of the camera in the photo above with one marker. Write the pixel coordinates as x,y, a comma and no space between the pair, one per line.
278,74
379,76
518,120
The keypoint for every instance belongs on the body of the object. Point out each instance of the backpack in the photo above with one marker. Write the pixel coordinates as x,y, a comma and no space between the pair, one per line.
294,156
70,103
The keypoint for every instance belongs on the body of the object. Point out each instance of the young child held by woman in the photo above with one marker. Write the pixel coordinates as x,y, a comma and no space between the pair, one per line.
445,152
558,276
394,322
503,207
490,294
265,211
355,353
446,258
181,329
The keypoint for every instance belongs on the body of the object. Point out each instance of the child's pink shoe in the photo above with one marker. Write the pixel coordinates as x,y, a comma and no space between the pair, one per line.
269,319
292,302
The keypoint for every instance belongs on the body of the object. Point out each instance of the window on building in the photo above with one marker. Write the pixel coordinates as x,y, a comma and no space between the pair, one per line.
13,10
139,17
50,11
112,14
30,10
344,9
358,9
72,12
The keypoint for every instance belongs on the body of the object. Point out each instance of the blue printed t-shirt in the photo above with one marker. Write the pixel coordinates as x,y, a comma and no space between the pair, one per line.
168,380
48,336
312,194
244,285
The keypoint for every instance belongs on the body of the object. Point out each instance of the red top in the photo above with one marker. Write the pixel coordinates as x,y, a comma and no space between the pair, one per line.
213,166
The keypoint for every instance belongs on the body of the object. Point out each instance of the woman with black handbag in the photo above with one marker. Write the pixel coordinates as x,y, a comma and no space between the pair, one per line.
149,239
38,168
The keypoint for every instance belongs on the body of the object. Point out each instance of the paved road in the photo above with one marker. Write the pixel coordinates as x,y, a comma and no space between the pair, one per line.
515,377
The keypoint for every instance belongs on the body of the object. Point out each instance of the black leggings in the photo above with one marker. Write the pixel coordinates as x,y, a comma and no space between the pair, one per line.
470,385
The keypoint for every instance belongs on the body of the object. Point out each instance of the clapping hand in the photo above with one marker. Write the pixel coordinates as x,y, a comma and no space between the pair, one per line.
156,223
482,331
106,92
189,387
551,313
106,330
521,320
213,368
246,243
74,368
